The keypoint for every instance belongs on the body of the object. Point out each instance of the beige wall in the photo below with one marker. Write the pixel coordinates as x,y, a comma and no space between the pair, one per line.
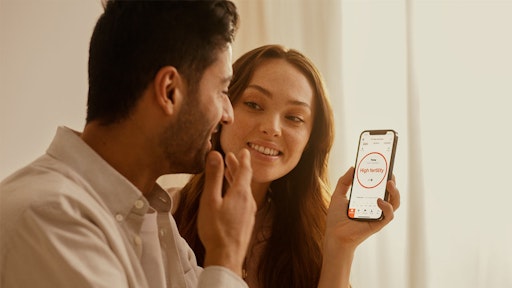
43,73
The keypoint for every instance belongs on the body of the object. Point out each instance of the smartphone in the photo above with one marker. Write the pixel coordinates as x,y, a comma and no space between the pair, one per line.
373,168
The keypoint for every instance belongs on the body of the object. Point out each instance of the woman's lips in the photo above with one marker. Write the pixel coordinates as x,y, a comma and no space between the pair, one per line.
264,150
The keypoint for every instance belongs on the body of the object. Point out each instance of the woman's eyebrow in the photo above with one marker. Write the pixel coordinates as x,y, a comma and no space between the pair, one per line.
268,94
260,89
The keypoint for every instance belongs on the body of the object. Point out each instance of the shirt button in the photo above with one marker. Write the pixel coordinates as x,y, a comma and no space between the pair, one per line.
139,204
119,217
137,240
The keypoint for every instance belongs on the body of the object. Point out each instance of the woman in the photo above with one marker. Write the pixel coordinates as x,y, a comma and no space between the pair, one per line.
284,118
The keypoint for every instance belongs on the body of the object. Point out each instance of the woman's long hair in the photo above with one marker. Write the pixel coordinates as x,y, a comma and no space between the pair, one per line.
292,256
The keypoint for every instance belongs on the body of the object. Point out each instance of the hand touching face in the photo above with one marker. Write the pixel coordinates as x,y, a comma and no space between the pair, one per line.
225,223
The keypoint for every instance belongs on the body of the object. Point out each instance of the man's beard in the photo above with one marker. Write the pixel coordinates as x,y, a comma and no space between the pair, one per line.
185,143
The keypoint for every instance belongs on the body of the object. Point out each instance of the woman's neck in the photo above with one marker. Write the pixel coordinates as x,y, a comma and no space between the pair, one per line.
259,192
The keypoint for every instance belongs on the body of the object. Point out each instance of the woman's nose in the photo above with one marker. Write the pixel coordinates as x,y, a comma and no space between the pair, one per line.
271,126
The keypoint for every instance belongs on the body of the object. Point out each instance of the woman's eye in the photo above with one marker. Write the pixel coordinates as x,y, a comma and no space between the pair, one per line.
252,105
295,119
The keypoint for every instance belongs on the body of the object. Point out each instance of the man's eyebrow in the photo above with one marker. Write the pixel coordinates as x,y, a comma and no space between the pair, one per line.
226,79
267,93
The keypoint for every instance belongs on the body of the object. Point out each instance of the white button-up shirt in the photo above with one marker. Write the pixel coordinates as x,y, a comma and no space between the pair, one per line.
70,220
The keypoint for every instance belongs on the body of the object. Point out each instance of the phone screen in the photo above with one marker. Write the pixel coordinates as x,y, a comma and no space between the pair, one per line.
374,166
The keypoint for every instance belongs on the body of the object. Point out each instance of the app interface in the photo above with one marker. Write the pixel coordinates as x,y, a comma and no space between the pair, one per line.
371,174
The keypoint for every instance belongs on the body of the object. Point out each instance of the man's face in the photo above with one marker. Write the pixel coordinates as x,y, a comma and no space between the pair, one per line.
188,139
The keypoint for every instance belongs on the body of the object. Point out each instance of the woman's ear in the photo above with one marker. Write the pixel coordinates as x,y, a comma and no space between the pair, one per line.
167,84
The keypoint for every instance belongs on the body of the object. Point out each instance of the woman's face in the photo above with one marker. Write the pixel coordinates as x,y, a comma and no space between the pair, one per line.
273,119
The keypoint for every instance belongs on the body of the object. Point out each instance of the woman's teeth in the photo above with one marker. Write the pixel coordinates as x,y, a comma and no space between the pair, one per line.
264,150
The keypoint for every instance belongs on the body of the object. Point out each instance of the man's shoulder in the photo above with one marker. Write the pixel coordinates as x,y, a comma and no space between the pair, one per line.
43,175
44,184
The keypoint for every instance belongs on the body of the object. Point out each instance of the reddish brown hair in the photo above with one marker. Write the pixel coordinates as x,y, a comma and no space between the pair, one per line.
293,254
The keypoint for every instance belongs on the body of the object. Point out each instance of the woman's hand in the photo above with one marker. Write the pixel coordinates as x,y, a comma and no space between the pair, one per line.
343,235
351,233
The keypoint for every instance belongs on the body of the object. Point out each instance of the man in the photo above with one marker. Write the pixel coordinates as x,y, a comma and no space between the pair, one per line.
89,213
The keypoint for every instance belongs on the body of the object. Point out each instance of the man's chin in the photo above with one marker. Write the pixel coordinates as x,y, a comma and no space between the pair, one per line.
191,166
199,164
197,169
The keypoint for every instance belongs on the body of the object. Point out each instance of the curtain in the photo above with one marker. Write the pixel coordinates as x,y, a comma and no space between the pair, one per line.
438,72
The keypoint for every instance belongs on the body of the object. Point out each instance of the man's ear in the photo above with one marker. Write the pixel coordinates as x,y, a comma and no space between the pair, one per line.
167,84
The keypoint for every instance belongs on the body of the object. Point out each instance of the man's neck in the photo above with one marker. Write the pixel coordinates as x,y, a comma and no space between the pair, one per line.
121,146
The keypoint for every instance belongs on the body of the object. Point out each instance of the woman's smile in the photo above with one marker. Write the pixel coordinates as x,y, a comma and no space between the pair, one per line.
264,150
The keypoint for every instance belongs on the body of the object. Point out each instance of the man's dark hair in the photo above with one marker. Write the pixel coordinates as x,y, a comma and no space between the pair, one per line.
132,40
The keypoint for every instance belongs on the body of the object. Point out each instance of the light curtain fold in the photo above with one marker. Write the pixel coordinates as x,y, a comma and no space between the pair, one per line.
417,276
